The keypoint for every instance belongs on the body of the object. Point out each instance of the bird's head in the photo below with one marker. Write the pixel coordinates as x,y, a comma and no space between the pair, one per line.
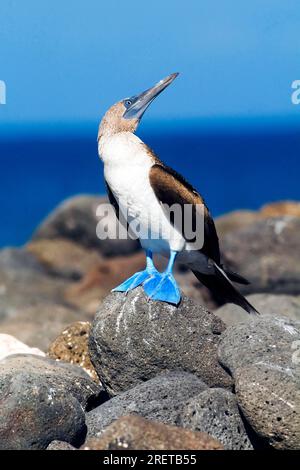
125,115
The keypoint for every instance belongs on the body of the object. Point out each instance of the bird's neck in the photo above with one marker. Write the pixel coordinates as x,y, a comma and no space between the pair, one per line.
117,147
111,125
105,131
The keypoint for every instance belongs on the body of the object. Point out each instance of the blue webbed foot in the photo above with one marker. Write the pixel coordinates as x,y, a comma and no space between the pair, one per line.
138,278
134,281
163,287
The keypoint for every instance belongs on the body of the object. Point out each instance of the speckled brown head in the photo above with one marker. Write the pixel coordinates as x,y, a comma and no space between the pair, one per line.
125,115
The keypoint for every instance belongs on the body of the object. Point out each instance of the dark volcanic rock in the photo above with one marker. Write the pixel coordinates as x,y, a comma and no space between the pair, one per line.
132,340
267,339
215,412
136,433
76,220
264,358
269,397
41,401
267,304
162,398
267,253
31,419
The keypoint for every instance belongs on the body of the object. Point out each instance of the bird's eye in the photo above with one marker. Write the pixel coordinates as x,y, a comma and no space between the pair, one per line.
128,103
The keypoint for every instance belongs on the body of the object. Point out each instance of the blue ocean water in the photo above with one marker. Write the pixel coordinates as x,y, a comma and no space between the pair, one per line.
232,170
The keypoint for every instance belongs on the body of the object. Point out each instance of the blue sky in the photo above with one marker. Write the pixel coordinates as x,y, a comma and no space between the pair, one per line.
67,62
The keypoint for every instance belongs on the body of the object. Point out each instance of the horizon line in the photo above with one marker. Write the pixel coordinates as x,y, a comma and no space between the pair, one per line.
207,125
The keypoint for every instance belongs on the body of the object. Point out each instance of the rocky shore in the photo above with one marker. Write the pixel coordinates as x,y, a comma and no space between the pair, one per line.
83,368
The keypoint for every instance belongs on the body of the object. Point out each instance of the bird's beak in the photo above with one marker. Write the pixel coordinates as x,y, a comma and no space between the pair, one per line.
140,103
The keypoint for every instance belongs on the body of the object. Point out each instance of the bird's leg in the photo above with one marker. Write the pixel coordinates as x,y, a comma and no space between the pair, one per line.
162,286
138,278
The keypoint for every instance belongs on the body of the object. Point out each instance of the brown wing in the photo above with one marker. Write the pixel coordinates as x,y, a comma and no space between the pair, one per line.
171,188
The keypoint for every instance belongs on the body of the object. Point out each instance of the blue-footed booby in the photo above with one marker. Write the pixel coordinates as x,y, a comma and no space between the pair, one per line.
139,186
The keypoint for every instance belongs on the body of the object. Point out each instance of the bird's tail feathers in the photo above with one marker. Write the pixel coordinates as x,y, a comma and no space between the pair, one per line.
235,277
223,290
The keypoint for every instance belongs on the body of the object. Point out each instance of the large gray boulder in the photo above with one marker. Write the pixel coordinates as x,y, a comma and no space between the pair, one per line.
269,339
267,253
215,411
162,399
269,397
263,356
132,340
41,401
